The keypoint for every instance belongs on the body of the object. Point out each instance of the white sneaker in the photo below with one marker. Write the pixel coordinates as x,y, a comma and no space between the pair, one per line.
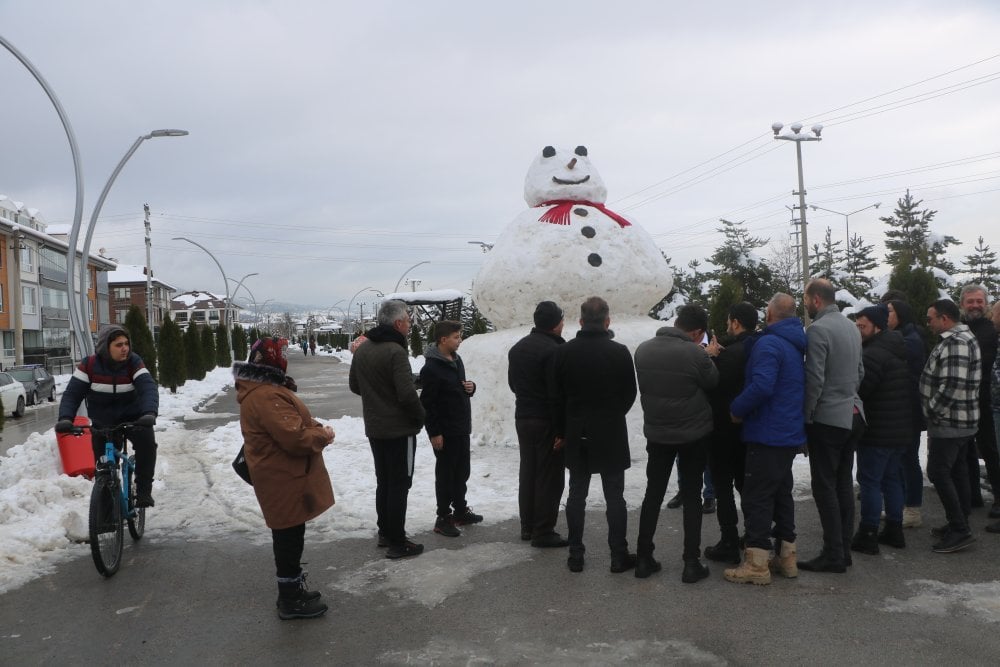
911,517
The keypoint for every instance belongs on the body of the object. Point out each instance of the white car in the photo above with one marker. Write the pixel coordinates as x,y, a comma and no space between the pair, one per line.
12,393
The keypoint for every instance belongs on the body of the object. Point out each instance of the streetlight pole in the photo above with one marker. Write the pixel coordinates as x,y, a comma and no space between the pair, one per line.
797,136
225,282
240,284
396,288
847,228
351,302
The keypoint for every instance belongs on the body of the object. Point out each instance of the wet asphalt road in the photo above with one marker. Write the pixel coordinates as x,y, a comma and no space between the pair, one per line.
486,598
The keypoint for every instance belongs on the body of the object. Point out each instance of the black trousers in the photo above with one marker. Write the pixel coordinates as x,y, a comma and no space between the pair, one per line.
617,513
691,458
727,463
288,544
831,464
946,469
144,447
767,495
985,448
452,468
541,477
393,478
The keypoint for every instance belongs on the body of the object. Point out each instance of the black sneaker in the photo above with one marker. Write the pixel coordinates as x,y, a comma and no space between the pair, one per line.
953,542
708,506
465,517
444,526
404,550
675,502
575,563
622,563
940,531
144,499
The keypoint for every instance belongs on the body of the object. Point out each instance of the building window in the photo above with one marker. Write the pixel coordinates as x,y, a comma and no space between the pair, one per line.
1,298
90,309
29,300
180,317
120,316
27,259
121,292
198,316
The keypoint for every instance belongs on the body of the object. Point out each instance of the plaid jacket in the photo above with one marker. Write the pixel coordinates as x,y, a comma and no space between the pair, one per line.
949,384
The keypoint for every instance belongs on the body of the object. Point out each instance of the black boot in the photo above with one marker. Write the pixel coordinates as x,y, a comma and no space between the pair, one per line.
824,562
646,565
866,540
892,535
724,552
693,571
296,601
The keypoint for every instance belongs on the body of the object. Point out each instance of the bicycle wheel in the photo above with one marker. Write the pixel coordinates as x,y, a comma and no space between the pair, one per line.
106,534
136,515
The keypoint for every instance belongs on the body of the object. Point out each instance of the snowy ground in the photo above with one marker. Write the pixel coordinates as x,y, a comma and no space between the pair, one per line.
43,513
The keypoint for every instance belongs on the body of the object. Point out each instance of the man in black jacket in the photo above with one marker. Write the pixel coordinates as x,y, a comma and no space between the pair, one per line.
542,473
445,395
727,460
593,386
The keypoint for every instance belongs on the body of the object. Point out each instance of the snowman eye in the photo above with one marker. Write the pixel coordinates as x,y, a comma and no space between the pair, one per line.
548,151
581,151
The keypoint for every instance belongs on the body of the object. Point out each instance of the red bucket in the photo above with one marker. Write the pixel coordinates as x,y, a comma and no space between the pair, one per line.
76,452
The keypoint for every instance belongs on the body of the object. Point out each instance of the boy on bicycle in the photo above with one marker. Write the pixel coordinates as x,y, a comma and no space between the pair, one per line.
118,388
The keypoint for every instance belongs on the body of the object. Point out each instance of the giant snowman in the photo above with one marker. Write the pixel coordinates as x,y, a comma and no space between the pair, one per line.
567,247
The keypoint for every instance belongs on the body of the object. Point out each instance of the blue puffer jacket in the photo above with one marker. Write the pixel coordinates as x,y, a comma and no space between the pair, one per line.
773,399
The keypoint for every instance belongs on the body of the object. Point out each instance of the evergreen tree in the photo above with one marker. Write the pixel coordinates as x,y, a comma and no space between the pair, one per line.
240,347
728,293
223,355
254,337
192,353
416,341
473,321
736,258
173,368
859,261
909,231
141,338
826,258
785,268
207,348
2,414
918,284
981,268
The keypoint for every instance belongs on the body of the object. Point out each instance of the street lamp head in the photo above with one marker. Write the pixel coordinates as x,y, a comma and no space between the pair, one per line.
776,127
796,127
168,133
817,129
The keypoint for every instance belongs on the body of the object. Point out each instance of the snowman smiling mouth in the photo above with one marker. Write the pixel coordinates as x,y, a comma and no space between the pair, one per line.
562,181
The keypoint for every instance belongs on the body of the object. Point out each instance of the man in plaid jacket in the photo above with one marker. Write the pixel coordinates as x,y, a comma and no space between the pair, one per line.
949,389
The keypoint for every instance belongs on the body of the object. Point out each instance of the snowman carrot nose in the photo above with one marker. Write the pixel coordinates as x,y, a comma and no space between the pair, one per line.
572,163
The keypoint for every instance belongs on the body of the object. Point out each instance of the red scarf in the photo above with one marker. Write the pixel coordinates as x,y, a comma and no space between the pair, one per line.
559,213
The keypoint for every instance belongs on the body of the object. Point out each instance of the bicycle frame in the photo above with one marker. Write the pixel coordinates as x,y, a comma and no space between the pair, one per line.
117,459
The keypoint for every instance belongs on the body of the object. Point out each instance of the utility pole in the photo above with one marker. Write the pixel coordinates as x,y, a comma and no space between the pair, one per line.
17,300
413,284
149,276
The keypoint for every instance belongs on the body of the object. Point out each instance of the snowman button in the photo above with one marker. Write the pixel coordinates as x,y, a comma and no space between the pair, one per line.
588,231
594,259
581,212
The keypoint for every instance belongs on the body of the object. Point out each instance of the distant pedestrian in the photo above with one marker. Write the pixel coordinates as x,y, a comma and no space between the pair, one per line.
542,470
445,394
949,387
305,346
675,375
312,345
380,373
284,446
593,386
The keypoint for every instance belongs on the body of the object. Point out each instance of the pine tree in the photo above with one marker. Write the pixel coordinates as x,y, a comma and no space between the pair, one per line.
194,364
141,338
736,258
859,261
473,321
223,358
173,368
981,268
825,260
208,348
240,348
416,342
254,337
918,284
728,293
909,231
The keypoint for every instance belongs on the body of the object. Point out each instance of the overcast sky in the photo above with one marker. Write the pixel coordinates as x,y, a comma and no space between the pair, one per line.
333,145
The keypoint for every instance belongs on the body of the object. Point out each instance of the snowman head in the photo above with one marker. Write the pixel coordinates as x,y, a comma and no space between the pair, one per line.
563,174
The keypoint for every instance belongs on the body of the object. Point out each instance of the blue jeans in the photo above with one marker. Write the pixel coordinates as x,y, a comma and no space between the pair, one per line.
913,476
878,475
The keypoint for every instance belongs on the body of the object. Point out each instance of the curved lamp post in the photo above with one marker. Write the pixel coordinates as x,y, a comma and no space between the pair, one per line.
847,222
351,302
245,288
396,288
225,281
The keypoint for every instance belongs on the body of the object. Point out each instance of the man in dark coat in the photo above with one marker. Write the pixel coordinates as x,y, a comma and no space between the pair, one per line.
727,458
542,472
381,375
445,394
885,392
675,375
118,388
975,313
593,387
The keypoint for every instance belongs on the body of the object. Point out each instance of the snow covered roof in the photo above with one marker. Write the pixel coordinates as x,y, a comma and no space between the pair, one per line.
133,273
426,297
195,300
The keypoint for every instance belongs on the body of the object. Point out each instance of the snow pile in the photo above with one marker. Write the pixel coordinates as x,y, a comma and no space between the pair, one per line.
936,598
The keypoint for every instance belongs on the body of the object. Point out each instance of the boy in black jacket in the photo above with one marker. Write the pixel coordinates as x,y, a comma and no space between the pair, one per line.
446,399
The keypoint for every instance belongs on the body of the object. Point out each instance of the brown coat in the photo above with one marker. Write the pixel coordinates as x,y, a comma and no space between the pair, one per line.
283,446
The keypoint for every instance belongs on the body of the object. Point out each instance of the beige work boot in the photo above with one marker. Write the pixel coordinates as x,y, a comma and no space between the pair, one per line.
785,562
912,518
753,570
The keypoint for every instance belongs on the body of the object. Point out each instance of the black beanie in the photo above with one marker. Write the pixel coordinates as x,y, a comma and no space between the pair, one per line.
548,315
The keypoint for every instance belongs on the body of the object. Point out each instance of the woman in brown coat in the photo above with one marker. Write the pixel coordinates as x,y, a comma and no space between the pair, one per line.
284,452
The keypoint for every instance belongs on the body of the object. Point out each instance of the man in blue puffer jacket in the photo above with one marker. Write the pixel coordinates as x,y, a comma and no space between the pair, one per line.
118,388
771,409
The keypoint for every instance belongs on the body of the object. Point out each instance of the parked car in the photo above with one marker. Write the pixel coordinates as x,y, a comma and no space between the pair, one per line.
38,382
12,392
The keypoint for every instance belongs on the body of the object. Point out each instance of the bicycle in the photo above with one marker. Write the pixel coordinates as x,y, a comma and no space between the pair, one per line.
113,499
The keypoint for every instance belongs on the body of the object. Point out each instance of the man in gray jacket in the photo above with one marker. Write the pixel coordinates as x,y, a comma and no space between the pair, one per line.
834,370
675,375
381,374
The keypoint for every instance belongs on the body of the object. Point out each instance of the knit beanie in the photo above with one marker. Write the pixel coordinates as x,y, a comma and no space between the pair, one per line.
877,314
548,315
